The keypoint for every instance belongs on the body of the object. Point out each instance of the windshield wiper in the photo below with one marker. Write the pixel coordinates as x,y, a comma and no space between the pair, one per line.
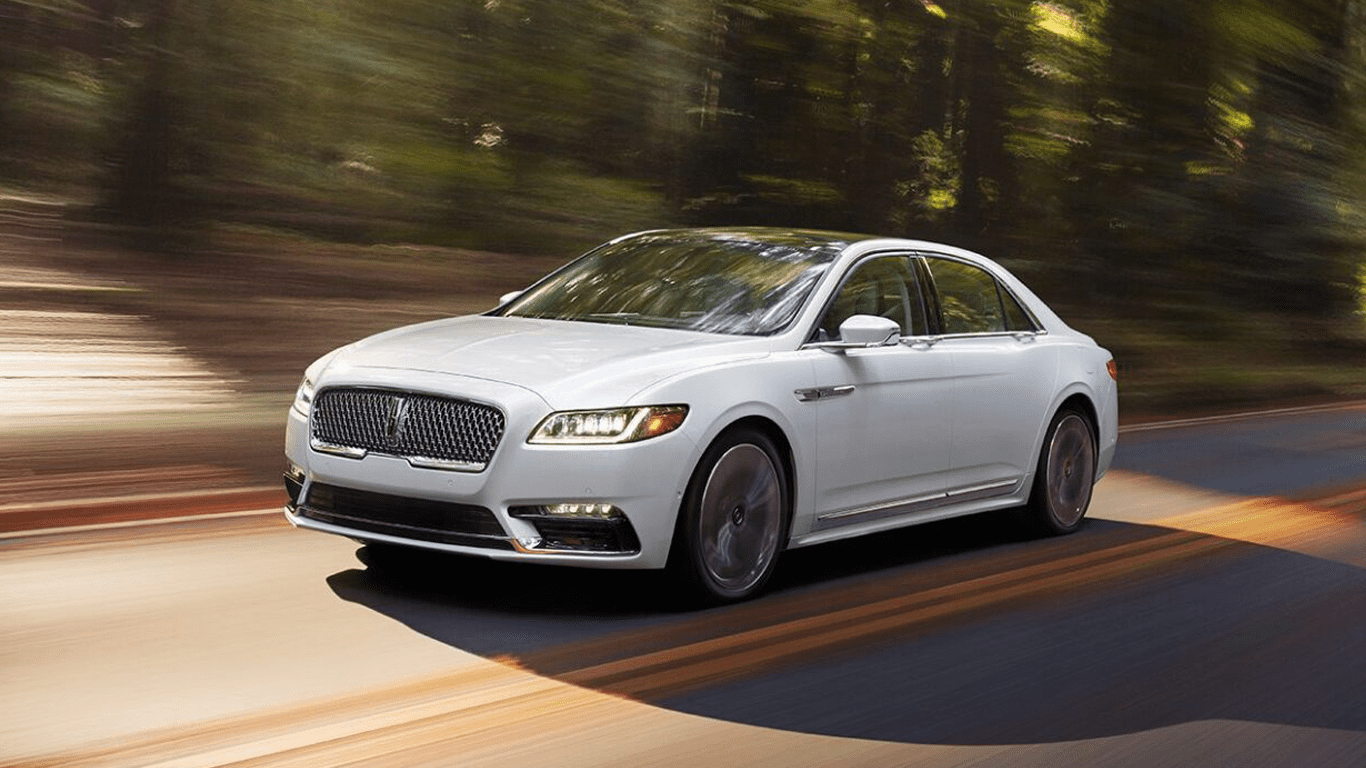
635,318
624,318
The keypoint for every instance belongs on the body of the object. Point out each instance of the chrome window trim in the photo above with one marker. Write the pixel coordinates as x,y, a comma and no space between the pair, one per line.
987,334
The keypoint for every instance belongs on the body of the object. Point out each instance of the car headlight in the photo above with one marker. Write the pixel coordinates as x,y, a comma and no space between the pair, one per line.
303,397
610,425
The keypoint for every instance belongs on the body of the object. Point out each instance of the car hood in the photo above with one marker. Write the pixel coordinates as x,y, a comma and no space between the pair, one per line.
568,364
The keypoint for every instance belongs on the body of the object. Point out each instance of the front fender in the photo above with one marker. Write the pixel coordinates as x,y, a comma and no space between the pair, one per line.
721,396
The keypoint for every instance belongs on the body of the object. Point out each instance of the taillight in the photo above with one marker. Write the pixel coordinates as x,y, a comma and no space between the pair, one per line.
1112,368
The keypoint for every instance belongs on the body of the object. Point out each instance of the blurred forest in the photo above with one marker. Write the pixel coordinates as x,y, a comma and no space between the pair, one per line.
1162,169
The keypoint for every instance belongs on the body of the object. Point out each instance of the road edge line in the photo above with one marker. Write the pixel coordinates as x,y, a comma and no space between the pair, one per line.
1241,416
88,527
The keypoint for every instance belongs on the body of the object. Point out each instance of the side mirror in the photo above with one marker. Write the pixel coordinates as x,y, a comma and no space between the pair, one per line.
509,296
862,332
869,331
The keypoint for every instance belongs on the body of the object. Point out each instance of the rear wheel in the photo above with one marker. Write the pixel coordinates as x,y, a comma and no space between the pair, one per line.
1065,474
733,520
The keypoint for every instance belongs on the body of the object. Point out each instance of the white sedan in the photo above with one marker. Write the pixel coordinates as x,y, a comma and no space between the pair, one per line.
702,400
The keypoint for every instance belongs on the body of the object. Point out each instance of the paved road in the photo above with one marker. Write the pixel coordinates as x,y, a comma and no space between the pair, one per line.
1213,613
1298,452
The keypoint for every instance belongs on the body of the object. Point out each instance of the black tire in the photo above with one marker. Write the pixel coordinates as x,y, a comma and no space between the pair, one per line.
734,520
1065,475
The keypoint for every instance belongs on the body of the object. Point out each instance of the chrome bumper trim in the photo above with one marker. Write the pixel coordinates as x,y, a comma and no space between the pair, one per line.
422,462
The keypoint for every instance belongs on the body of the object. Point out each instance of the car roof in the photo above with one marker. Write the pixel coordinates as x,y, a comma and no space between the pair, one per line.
814,239
793,238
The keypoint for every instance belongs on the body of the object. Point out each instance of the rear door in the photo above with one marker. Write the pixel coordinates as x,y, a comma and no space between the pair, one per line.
1004,371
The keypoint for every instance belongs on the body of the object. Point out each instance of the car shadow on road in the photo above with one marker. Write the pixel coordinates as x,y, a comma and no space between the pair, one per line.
507,609
962,632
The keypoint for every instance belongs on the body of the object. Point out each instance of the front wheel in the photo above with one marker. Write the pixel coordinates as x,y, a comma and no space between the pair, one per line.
1065,474
733,520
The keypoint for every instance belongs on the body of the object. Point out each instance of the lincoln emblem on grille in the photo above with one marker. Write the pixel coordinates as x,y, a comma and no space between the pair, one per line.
397,415
430,431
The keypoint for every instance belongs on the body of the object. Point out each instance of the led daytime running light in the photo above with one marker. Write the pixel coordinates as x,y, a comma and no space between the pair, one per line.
594,510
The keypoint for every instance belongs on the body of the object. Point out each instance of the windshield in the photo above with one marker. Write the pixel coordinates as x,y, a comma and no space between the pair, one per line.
712,281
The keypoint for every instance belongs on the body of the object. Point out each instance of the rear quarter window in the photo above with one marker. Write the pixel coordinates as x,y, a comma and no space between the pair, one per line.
1017,319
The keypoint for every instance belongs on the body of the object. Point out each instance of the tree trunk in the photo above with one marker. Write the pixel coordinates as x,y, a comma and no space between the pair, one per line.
143,193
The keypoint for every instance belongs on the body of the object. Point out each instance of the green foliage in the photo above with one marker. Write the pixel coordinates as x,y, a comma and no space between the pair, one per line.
1130,154
934,189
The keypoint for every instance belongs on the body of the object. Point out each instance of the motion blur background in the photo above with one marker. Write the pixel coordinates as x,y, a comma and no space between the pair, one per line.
201,196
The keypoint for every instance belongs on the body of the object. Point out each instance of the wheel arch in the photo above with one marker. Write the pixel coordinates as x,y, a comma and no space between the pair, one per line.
1079,401
679,559
1075,397
774,432
1038,511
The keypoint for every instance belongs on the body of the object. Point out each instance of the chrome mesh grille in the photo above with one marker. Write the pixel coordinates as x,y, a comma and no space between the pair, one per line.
407,424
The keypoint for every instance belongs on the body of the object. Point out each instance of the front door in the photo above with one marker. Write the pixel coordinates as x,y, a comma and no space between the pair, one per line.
883,414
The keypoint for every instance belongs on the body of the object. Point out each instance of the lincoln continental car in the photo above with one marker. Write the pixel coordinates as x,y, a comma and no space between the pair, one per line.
701,401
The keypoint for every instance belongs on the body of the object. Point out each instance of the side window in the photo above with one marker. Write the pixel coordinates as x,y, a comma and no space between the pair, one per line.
884,286
968,299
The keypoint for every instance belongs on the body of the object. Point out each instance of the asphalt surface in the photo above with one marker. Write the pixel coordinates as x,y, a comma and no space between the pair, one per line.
1287,455
1212,612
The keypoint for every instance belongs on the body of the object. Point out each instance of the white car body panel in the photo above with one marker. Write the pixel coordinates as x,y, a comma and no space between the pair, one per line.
1001,384
886,440
566,363
933,427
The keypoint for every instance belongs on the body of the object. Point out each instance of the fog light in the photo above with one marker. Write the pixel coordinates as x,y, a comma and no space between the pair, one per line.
578,526
294,483
599,511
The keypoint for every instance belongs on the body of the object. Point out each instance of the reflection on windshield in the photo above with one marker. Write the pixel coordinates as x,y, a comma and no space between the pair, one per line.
715,282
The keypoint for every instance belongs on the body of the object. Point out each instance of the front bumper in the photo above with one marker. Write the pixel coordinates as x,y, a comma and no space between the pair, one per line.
442,510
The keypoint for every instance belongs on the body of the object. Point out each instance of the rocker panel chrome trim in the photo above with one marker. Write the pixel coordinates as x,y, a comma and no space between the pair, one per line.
913,504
